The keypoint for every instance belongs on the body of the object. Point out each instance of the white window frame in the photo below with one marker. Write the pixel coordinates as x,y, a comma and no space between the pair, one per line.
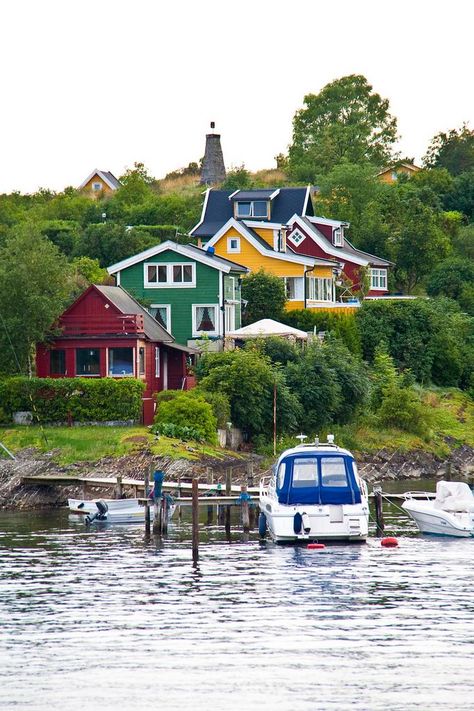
236,249
168,314
96,186
321,289
338,236
157,362
296,237
216,331
378,279
299,288
232,300
169,283
252,209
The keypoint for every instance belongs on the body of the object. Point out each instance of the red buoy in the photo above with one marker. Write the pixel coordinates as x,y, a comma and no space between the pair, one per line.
389,542
315,546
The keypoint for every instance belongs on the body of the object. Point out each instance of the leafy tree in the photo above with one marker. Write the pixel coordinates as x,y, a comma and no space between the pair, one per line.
384,375
33,292
346,122
110,243
402,408
342,326
238,178
62,233
463,242
453,150
265,296
248,380
451,277
461,197
317,387
279,350
351,375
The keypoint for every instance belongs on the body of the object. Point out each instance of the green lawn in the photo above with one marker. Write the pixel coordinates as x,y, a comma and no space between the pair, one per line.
89,444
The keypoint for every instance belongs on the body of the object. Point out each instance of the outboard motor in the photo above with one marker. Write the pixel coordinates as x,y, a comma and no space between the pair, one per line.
100,515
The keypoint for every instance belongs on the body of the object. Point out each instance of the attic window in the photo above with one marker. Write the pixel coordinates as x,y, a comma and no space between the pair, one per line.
338,236
296,237
254,208
96,187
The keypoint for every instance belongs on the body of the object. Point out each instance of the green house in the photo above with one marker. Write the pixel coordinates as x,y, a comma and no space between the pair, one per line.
190,291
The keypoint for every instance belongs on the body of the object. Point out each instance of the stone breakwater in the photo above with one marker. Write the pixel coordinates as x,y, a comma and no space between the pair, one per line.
383,466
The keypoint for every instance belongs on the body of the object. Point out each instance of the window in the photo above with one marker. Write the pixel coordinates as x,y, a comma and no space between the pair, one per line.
305,472
333,472
229,288
294,288
87,361
162,314
96,187
157,362
338,237
394,175
233,244
320,289
160,275
281,475
141,361
121,362
205,319
57,362
257,208
296,237
378,279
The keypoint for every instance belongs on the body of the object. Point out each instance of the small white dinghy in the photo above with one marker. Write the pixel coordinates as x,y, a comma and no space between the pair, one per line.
451,513
113,510
314,494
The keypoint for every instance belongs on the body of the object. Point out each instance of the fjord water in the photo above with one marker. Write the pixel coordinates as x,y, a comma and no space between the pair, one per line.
109,620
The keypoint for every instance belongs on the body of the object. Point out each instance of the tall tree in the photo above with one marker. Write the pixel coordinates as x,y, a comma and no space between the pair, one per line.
453,150
34,288
346,122
265,296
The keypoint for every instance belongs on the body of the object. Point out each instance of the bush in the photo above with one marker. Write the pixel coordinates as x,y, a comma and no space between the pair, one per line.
402,408
186,410
85,400
344,326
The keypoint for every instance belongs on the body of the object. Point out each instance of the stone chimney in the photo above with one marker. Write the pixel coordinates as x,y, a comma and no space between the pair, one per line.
213,169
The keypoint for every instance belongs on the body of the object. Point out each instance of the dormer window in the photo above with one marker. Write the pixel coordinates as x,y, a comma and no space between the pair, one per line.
338,236
254,208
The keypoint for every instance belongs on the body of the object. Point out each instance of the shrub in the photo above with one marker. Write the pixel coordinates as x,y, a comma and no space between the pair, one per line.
187,410
84,399
402,408
344,326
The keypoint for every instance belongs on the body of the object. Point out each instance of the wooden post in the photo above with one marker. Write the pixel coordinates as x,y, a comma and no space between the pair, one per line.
379,510
228,491
119,487
146,487
195,508
164,514
84,489
245,510
220,509
210,509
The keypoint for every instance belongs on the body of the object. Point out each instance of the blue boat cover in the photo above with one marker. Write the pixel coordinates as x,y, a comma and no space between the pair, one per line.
323,478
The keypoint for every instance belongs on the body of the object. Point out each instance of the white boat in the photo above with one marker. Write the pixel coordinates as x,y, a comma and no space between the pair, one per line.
113,510
450,513
314,494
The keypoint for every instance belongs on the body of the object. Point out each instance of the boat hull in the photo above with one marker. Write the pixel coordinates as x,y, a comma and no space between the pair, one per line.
118,510
320,523
439,522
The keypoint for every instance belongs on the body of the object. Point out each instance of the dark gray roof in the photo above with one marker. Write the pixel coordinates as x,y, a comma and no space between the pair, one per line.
218,260
253,194
348,248
111,177
127,305
219,209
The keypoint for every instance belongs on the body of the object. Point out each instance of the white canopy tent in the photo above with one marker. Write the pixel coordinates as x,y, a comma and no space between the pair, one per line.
264,328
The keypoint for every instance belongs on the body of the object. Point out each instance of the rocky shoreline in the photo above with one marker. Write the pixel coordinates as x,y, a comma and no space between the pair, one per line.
385,465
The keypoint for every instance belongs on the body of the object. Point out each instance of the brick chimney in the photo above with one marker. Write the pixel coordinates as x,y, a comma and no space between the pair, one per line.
213,169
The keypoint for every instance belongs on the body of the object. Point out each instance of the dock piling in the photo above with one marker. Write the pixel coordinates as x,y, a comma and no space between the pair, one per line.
119,487
146,486
195,515
380,524
228,492
245,509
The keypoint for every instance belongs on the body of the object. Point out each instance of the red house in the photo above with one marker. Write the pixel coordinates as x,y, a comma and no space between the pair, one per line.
106,333
320,237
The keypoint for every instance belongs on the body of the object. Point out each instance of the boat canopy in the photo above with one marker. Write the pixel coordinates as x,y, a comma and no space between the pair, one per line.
317,478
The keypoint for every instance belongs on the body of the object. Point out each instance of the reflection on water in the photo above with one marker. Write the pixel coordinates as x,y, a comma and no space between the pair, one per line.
108,619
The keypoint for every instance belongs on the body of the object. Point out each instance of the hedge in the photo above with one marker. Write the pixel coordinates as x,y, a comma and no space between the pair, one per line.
84,399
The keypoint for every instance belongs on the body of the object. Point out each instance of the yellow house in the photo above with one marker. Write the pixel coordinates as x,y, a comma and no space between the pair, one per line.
309,281
390,174
99,183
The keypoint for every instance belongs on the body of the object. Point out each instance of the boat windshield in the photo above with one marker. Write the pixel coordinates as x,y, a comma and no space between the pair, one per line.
333,471
305,472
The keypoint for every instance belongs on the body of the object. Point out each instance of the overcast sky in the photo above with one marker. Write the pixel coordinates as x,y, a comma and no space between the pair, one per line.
106,83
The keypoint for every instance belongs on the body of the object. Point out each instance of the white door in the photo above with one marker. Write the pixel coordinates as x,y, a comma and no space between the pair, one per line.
229,317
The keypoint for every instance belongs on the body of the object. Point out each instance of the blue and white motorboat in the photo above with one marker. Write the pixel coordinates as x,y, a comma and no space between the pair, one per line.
314,494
